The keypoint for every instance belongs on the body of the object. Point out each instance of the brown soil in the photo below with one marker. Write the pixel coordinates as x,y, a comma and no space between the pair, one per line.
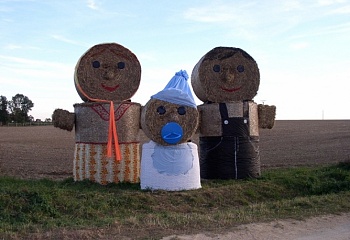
47,152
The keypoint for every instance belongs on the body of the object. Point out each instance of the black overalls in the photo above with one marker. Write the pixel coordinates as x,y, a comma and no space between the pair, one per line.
235,154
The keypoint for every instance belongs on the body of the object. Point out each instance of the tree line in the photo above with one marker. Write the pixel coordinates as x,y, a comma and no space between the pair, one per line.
15,110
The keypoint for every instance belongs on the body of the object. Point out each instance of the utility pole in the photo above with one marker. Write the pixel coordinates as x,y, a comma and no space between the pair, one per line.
322,114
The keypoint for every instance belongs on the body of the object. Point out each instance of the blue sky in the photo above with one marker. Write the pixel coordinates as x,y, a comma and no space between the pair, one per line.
301,47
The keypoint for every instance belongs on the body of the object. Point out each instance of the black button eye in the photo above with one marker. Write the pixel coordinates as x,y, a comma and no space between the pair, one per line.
216,68
161,110
240,68
181,110
96,64
121,65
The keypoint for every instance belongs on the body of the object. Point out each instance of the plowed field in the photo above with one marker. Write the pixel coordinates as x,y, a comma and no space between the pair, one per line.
47,152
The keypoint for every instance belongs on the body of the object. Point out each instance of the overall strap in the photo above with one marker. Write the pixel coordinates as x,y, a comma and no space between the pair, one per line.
223,111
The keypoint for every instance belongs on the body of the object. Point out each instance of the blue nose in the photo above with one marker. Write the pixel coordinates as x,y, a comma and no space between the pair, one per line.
172,133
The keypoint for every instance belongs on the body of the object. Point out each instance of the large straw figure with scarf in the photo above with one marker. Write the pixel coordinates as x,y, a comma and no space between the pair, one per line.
107,124
226,79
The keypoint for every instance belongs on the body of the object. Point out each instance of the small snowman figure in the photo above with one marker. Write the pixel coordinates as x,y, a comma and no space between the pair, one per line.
170,161
107,124
226,79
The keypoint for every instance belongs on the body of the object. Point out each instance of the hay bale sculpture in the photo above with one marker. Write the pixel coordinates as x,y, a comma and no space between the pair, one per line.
226,79
170,161
107,124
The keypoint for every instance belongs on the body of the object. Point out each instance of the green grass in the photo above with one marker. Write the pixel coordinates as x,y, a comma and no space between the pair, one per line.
42,205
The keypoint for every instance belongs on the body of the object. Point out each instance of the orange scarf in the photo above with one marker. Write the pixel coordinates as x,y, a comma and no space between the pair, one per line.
112,127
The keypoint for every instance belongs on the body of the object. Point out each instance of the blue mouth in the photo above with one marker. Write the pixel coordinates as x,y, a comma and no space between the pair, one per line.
172,133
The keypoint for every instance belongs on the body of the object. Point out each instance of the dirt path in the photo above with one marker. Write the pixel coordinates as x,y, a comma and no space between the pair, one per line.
334,227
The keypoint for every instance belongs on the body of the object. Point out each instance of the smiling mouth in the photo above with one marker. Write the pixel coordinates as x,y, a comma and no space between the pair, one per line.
110,89
231,89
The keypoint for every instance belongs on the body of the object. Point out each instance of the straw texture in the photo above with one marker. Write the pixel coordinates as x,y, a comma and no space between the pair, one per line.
225,74
152,122
107,71
210,119
266,116
63,119
92,121
91,162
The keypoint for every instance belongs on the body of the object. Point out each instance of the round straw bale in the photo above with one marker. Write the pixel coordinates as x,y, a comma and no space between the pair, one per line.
225,74
63,119
152,122
107,71
266,116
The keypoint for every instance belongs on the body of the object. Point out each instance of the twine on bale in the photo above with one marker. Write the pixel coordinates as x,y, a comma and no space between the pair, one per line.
112,129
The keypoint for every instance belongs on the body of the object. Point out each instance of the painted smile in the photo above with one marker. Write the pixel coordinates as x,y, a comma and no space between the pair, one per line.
110,89
231,89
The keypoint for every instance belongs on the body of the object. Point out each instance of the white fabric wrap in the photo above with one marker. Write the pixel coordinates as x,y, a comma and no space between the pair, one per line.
170,168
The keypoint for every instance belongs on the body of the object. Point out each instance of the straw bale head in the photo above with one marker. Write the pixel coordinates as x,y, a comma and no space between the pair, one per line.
158,113
107,71
225,74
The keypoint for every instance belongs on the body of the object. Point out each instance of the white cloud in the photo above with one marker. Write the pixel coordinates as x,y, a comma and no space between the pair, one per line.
329,2
12,46
70,41
92,4
18,70
291,5
330,30
341,10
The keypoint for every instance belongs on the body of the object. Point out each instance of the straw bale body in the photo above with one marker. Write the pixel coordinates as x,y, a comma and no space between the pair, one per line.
91,135
211,121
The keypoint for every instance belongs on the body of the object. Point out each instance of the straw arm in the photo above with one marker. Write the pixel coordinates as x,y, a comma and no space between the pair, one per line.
63,119
266,115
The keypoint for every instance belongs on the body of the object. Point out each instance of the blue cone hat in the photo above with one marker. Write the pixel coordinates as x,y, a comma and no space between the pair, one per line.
177,91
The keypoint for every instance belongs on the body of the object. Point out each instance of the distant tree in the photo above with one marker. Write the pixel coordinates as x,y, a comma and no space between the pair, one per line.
31,118
4,114
19,107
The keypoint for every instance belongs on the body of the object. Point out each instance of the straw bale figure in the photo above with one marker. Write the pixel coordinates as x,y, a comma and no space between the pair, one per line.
107,124
170,118
226,79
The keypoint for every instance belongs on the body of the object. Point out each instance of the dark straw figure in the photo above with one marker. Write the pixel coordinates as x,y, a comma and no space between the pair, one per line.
226,79
170,161
107,124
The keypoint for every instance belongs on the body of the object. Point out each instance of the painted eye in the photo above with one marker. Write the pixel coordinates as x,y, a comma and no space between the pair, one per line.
240,68
161,110
181,110
121,65
96,64
216,68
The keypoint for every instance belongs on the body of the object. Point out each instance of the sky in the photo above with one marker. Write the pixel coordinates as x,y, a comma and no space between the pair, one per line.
301,47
